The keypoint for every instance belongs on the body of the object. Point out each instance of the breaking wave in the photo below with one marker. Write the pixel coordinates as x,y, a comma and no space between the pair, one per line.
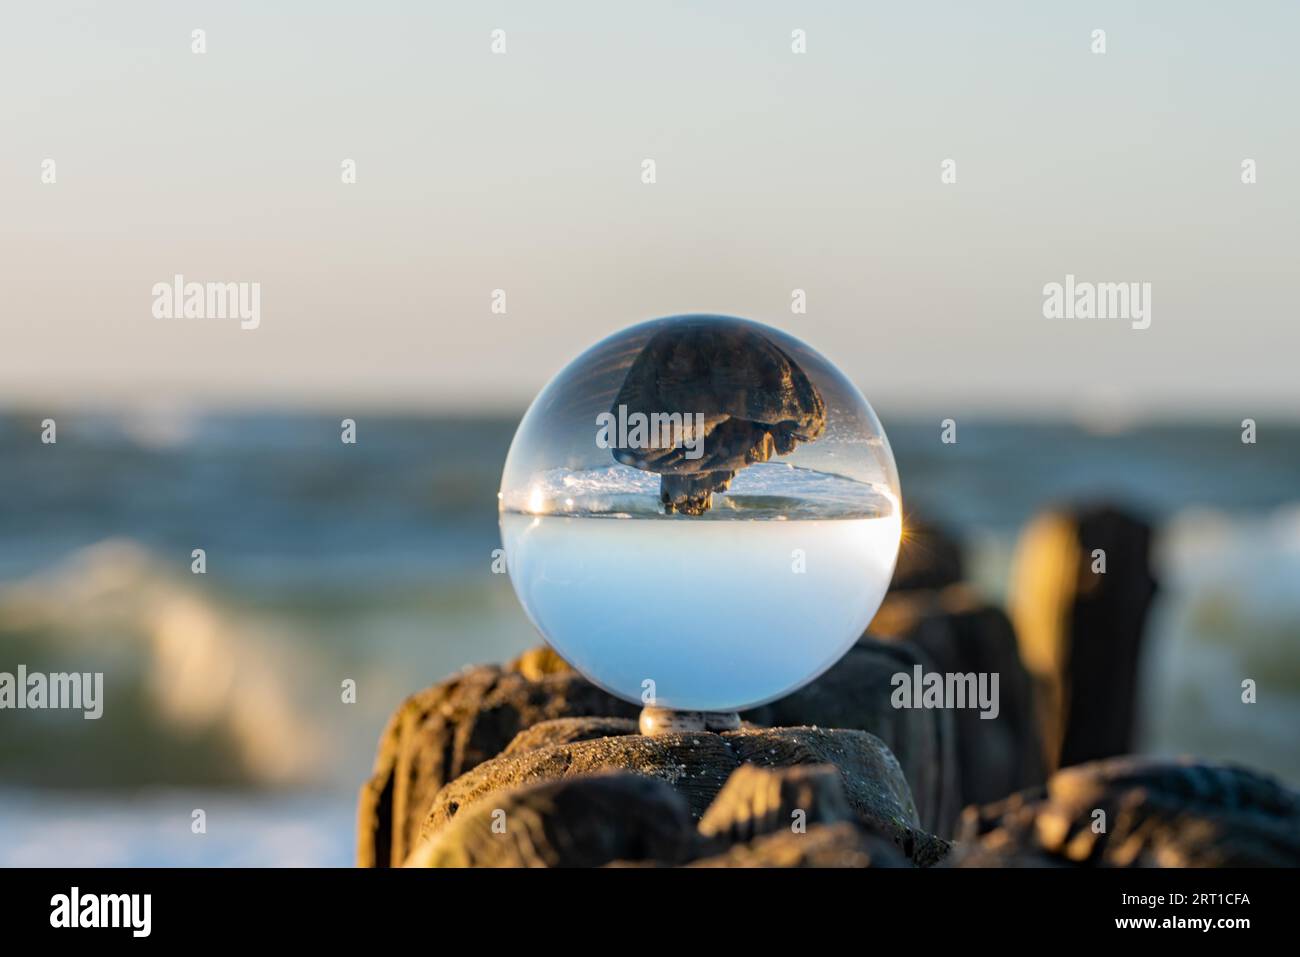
193,693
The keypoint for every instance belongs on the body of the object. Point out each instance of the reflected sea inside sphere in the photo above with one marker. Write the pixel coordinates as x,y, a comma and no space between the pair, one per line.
715,613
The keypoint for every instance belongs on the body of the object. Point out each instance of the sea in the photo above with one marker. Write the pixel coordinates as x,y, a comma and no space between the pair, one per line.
246,684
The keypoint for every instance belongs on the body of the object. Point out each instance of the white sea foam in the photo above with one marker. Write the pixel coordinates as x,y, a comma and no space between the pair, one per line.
1228,610
768,490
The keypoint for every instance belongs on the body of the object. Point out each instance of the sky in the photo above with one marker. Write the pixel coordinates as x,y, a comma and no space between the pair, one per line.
774,171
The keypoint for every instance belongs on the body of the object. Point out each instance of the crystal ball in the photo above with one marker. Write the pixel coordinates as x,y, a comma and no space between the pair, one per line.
700,513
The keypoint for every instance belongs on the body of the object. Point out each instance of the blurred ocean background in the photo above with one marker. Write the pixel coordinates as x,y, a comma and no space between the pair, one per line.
372,562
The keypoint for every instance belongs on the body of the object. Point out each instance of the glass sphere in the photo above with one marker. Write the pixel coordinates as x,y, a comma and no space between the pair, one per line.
700,513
